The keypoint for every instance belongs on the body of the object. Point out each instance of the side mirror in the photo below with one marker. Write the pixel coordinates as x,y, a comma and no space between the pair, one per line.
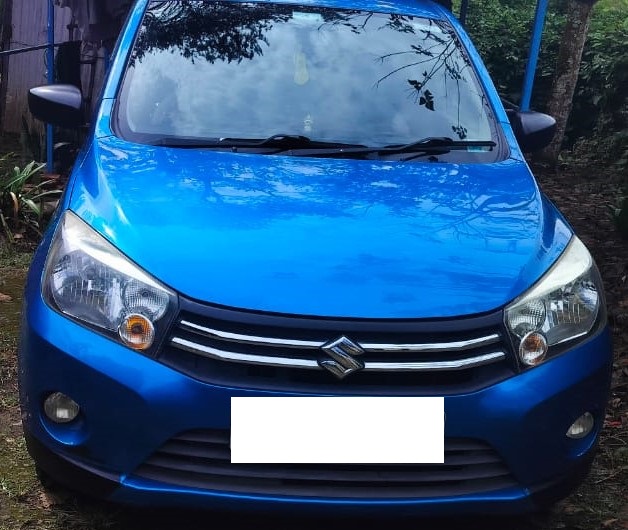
60,105
533,130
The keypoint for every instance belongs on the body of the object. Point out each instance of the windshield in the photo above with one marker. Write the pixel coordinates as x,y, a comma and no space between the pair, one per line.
222,70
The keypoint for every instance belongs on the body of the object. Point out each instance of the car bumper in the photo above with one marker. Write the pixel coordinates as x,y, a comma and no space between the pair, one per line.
131,405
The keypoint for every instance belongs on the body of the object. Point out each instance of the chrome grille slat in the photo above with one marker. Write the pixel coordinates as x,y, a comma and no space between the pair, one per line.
312,364
453,346
436,366
231,347
215,353
250,339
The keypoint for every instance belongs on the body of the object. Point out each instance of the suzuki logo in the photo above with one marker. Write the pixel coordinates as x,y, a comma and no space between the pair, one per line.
342,352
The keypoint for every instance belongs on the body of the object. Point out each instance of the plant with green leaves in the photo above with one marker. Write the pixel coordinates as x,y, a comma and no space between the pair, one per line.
601,101
501,32
22,198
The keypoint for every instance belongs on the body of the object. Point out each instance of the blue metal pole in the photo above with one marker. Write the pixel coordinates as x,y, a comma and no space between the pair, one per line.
535,47
50,59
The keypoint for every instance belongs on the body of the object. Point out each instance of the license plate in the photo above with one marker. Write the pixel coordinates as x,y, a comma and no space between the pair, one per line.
338,430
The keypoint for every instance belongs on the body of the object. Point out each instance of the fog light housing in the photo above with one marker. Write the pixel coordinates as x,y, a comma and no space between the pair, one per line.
581,427
60,408
533,349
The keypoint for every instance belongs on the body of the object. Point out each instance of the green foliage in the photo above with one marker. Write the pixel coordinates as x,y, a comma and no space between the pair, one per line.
501,30
601,99
22,198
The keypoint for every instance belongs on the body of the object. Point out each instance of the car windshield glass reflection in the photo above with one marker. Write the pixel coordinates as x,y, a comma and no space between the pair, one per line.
253,70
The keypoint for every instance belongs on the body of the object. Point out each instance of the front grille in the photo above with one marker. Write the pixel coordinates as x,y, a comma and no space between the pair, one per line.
289,353
201,459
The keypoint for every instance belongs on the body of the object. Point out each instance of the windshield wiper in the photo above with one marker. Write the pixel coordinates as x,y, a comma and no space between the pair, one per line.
287,142
442,145
425,146
438,143
298,145
283,142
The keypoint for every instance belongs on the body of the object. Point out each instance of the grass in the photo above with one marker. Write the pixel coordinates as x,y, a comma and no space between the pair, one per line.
17,479
14,259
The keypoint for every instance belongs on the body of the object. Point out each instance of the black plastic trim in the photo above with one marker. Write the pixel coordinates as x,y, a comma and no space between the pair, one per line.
201,460
286,321
75,476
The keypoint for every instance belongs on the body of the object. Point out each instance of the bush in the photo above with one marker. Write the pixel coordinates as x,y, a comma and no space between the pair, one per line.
501,30
23,196
600,108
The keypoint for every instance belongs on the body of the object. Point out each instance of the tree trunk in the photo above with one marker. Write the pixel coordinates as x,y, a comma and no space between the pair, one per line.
566,75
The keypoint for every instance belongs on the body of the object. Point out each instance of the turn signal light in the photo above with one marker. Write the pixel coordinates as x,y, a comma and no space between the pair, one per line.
137,332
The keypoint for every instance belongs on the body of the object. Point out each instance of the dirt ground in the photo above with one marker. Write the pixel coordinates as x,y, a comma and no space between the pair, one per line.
585,195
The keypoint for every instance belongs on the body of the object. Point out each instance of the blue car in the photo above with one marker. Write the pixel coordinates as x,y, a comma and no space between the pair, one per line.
308,229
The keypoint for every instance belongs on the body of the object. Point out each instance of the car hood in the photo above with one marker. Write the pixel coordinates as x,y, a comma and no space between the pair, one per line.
324,237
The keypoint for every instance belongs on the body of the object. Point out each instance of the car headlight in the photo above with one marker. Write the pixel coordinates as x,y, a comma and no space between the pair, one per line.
88,279
562,306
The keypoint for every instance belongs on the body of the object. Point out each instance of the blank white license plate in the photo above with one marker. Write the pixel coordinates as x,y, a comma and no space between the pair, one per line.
339,430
